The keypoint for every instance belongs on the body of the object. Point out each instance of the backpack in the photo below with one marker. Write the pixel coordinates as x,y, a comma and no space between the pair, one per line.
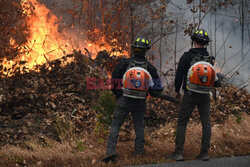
136,80
201,75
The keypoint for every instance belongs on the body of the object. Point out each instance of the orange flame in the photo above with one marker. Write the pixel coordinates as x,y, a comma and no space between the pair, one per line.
45,42
217,68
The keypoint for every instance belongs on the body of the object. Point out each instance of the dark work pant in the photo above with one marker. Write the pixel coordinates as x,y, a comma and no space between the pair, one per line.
190,100
123,107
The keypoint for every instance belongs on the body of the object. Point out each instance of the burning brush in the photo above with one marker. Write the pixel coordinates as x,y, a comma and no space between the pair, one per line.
45,43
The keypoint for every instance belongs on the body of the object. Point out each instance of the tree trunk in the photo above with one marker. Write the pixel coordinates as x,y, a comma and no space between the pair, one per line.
175,48
242,27
131,25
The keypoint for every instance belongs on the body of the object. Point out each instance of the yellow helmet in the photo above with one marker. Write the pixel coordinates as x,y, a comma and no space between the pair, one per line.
200,36
141,43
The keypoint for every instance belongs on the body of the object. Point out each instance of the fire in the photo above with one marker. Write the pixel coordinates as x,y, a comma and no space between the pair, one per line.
217,68
45,42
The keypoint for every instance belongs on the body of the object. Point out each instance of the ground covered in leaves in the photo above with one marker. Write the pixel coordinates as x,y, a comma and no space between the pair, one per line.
49,118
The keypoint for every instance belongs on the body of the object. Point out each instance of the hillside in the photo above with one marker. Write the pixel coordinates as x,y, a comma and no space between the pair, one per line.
49,118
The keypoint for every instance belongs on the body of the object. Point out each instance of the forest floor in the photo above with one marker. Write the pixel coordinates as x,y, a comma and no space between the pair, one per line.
49,118
228,140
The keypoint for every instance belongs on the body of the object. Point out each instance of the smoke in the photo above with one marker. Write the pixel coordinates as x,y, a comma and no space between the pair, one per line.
68,25
232,55
60,8
232,58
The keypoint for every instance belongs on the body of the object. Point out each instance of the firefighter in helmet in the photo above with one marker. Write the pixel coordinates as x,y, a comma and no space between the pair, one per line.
196,75
138,77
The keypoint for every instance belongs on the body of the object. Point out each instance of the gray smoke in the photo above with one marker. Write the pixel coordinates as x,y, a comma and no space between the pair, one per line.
230,56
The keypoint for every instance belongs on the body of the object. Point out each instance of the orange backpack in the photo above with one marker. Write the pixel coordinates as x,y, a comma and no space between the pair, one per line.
136,80
201,77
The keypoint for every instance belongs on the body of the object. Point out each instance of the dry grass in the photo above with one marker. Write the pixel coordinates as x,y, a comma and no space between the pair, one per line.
230,139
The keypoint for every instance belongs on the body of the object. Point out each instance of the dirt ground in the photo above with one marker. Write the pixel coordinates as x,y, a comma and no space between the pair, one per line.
230,139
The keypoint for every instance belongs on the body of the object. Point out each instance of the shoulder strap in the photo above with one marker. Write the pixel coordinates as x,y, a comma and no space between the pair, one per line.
134,63
198,57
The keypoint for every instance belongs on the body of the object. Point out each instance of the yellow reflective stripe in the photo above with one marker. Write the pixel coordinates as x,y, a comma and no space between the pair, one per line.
143,40
138,39
196,32
206,34
201,32
147,41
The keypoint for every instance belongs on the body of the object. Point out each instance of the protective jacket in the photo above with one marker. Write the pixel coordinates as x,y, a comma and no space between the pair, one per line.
184,65
121,68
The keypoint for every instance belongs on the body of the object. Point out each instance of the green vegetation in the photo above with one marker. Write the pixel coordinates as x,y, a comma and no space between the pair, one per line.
105,107
80,146
63,128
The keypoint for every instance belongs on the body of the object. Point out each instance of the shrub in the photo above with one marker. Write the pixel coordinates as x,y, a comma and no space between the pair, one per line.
105,107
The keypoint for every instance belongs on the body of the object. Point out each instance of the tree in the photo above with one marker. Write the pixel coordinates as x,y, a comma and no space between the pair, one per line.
12,28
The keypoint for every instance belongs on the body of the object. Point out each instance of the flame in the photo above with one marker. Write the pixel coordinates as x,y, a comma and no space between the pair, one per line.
217,68
46,43
12,42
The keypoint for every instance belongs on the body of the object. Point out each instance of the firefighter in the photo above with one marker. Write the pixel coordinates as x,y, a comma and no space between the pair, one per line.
195,94
131,98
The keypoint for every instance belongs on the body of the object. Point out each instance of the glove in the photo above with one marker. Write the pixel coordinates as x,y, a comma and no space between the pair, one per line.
178,96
